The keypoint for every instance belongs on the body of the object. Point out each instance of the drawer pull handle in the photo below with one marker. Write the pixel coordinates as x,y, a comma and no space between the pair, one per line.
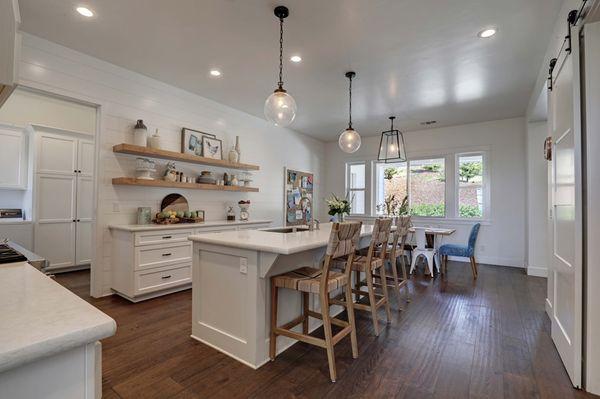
167,254
166,277
167,237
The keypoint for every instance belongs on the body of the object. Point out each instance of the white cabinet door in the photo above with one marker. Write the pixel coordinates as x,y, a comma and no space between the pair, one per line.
85,158
85,217
83,243
56,154
55,219
13,158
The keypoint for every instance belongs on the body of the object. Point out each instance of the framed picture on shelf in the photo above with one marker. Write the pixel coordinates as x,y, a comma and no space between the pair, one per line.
191,141
212,148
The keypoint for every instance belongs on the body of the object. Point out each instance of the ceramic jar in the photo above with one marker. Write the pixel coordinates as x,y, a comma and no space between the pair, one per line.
140,134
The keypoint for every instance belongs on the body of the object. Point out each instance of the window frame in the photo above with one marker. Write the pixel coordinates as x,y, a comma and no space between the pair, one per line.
485,186
350,190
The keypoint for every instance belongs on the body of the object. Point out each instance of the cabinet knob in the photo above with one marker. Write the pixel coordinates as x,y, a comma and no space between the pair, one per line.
166,237
74,220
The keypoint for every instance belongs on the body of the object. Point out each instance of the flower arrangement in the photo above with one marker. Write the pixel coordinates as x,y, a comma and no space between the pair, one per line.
338,206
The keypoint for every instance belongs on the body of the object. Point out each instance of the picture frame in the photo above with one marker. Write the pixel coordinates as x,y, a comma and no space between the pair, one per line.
191,141
212,148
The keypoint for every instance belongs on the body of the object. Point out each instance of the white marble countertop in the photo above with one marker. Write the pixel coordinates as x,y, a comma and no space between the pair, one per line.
212,223
269,241
39,317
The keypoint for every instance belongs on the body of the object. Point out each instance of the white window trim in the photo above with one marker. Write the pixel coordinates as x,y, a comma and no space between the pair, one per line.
365,190
486,185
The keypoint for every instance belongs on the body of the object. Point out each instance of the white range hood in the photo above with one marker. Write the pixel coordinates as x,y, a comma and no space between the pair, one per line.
10,47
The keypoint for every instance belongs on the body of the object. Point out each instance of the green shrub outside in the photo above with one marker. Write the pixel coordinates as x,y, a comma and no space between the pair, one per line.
469,211
437,210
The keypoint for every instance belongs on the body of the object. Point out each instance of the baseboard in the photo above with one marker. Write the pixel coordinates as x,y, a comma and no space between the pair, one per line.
537,271
492,260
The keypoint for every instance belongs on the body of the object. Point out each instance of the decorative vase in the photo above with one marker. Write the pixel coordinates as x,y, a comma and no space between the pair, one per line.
140,134
237,148
341,217
234,157
154,140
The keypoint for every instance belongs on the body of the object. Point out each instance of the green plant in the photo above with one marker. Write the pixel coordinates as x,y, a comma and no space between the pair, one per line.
389,173
469,170
391,206
432,168
428,210
469,211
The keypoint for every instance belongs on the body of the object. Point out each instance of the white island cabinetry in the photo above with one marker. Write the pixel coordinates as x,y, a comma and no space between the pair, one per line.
155,260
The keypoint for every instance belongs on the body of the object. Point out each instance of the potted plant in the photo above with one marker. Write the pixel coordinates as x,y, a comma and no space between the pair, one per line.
338,207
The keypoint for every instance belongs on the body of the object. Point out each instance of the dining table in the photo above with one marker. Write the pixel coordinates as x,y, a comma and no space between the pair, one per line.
438,233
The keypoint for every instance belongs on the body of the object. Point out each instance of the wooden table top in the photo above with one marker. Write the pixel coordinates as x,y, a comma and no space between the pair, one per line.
433,230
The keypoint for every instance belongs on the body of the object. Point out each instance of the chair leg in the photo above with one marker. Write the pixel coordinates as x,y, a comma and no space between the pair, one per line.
386,296
473,267
305,299
394,265
372,300
405,277
324,297
351,320
356,284
273,337
413,263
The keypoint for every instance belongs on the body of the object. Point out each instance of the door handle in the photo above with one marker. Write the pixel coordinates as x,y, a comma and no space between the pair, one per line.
167,237
166,277
167,254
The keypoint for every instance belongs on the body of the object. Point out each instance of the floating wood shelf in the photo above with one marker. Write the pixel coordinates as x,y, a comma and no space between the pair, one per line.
177,156
132,181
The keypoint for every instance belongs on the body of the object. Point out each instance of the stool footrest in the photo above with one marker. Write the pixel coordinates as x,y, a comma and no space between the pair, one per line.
301,337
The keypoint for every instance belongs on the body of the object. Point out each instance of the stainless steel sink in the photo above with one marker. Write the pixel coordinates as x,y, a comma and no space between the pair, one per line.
286,230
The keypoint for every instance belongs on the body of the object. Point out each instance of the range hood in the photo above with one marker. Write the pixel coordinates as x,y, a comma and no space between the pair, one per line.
10,47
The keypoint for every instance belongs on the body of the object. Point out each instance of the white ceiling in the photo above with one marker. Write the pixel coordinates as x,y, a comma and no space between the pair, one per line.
418,59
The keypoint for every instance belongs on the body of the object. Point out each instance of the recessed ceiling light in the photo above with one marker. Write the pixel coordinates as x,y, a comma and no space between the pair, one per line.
487,32
295,58
215,72
86,12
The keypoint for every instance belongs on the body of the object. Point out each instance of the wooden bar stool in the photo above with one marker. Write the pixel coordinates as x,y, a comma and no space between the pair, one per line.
396,250
374,260
342,244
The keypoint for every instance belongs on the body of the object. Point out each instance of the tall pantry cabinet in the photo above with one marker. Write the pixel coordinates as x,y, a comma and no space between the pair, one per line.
63,197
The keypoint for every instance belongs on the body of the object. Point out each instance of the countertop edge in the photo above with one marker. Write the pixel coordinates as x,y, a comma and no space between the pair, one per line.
152,227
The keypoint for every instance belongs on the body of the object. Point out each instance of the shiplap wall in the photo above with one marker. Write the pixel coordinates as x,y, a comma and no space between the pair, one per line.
123,97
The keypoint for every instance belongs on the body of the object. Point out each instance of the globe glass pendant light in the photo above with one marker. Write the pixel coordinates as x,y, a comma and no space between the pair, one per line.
280,107
349,140
391,145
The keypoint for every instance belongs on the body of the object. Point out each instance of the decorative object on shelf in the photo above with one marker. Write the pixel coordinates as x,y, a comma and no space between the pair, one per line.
244,206
140,134
237,148
338,207
234,181
212,148
230,214
206,177
391,145
548,149
245,179
174,208
349,140
171,173
298,197
144,215
154,140
280,107
233,156
191,141
144,168
226,179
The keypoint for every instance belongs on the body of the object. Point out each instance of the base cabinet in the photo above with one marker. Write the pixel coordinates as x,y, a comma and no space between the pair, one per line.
148,264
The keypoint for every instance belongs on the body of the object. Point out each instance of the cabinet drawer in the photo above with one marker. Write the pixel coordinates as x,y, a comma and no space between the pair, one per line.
151,256
214,229
163,278
162,236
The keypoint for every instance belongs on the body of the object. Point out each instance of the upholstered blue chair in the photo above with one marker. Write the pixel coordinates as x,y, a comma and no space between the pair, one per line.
463,251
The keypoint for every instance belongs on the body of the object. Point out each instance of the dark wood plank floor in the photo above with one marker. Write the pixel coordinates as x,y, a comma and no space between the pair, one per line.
456,339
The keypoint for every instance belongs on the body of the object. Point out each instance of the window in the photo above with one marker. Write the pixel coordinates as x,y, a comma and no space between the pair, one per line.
428,187
356,185
470,185
394,189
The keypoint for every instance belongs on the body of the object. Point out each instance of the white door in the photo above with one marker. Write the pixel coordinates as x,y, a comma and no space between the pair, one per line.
565,216
13,158
56,154
85,158
85,216
55,219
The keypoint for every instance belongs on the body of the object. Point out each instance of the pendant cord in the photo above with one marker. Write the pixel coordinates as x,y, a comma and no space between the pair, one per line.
350,105
280,53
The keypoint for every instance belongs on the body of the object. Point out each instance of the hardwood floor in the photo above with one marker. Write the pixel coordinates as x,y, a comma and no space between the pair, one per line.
456,339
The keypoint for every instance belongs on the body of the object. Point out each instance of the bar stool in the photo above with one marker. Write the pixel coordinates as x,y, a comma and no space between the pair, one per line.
397,250
343,241
374,260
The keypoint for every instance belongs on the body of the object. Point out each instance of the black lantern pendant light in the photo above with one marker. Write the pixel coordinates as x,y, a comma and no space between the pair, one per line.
349,140
280,107
391,145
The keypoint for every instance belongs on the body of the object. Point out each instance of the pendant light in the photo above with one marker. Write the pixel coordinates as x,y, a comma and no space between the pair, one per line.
391,145
349,140
280,107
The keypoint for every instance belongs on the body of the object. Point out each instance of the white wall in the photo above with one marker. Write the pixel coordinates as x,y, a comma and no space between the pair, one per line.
502,239
125,96
537,200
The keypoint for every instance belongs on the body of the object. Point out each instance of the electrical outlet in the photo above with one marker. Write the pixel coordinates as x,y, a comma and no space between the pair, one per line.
116,207
243,265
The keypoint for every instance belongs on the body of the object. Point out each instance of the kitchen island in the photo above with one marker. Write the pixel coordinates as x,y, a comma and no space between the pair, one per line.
230,286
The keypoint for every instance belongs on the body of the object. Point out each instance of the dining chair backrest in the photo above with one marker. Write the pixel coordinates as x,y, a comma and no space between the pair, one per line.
381,231
403,225
421,238
473,236
343,239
